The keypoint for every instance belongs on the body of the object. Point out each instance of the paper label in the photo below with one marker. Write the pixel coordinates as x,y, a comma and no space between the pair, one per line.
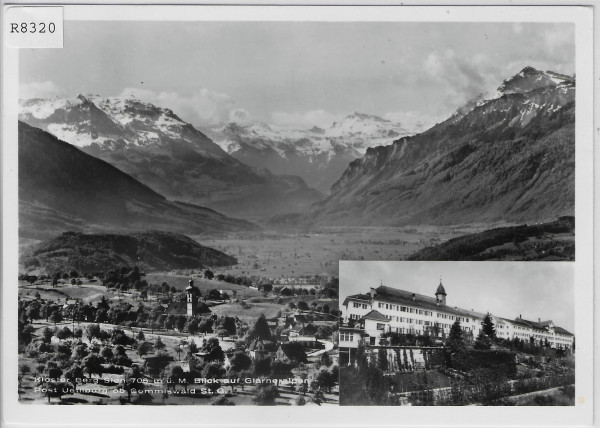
33,27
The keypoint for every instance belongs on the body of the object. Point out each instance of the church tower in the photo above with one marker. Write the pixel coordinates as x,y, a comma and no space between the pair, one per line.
191,299
440,294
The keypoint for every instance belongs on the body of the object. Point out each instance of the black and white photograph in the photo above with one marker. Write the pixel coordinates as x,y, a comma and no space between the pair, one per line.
230,165
457,333
298,206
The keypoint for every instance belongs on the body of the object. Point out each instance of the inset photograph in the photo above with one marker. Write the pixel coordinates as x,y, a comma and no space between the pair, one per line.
457,333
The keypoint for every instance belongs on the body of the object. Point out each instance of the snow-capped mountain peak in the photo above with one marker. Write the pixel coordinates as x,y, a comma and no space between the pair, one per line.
318,155
108,123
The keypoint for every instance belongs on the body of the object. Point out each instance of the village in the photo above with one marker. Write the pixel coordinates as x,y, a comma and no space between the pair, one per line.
117,338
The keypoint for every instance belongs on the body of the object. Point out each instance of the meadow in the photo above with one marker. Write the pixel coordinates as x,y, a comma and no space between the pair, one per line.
276,254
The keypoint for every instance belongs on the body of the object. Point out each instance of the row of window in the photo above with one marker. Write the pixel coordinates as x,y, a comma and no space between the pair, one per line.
346,337
420,312
403,309
359,305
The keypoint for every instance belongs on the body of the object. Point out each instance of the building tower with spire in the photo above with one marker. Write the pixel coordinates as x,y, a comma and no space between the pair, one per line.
191,298
440,294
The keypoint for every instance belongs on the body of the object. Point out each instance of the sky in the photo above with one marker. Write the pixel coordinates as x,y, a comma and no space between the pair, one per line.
294,74
508,289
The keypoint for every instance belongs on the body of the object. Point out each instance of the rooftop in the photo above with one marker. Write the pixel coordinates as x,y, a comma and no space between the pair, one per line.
375,315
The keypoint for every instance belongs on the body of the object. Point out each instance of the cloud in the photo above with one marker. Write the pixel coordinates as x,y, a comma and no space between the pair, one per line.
202,107
307,119
459,78
45,89
414,121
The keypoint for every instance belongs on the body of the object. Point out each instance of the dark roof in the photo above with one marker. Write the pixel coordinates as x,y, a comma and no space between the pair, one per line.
561,330
534,324
440,289
519,321
375,315
294,351
180,308
542,325
364,297
393,295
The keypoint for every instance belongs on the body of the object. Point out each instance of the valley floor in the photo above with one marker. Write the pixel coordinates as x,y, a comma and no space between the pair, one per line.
276,254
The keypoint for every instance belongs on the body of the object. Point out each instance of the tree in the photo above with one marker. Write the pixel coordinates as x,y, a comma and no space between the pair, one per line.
240,361
192,326
382,359
326,379
180,322
208,274
262,367
261,329
325,359
192,348
228,323
266,395
79,352
280,370
145,348
47,334
159,343
158,363
205,326
92,331
74,373
93,364
140,336
213,370
214,294
64,333
302,305
483,341
487,326
119,337
177,376
455,341
107,353
56,316
213,350
131,380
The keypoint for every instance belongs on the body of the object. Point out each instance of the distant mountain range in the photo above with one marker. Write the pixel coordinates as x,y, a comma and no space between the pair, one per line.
157,148
506,156
62,188
509,156
101,252
319,156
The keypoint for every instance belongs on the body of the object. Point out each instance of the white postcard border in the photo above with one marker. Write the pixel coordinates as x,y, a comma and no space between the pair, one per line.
581,414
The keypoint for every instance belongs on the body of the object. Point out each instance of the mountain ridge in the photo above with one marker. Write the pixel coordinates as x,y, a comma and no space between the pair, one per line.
156,147
318,155
510,158
151,250
62,188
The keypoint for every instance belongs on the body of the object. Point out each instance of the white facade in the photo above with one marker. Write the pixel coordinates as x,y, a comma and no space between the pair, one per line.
389,310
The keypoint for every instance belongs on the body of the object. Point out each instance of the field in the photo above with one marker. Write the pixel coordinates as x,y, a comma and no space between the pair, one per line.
181,281
86,292
253,309
275,254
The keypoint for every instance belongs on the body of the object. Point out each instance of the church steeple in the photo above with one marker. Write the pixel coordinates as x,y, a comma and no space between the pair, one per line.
191,298
440,294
